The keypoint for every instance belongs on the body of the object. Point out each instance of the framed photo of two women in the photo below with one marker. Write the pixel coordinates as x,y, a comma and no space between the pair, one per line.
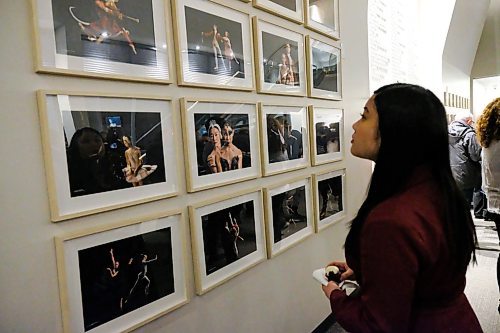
126,40
106,151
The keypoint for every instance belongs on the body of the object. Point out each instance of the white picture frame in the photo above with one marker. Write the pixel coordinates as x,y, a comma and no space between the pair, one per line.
284,138
289,215
227,238
87,179
280,60
323,16
243,121
289,9
329,198
327,134
153,245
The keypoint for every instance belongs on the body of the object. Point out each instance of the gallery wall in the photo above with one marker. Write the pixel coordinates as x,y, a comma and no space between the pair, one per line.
276,295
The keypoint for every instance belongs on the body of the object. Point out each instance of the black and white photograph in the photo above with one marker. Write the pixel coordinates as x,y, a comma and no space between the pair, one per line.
289,9
323,16
324,70
330,198
119,39
106,152
285,136
327,134
281,61
214,45
228,237
112,273
288,215
221,140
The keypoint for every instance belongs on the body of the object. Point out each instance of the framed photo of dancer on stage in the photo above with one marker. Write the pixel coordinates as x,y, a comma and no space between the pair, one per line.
289,215
214,45
289,9
329,198
284,138
280,59
323,16
323,70
327,134
118,278
222,142
227,238
104,152
124,40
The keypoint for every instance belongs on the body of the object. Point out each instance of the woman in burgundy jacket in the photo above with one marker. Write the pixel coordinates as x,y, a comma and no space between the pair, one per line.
413,237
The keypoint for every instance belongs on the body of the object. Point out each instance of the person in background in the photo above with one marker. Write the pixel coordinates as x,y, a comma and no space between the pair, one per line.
465,154
413,237
488,131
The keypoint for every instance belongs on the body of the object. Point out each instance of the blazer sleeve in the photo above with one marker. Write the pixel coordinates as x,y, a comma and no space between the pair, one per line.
389,262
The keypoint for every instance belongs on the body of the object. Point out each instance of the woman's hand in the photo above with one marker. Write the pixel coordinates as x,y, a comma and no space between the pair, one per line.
331,286
346,272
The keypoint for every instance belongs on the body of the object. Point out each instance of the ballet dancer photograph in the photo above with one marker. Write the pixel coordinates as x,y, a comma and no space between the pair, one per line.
329,206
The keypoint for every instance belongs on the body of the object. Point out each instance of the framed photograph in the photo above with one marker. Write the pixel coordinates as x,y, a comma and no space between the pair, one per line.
284,138
227,238
105,152
280,59
222,143
289,216
327,134
329,194
214,45
323,70
117,279
289,9
124,40
323,16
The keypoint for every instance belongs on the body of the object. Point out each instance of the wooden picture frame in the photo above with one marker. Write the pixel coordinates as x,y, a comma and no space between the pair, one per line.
279,59
329,198
120,277
86,38
222,142
289,215
323,16
227,237
100,149
289,9
284,138
324,70
327,134
214,45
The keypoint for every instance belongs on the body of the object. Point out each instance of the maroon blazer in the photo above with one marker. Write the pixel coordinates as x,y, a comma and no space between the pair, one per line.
406,280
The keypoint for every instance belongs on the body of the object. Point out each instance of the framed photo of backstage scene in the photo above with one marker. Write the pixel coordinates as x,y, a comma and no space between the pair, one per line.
327,134
329,198
228,238
222,142
289,215
323,16
104,152
323,70
284,138
118,278
289,9
214,45
123,40
280,60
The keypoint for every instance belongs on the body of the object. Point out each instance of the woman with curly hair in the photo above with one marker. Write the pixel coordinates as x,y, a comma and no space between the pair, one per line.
488,131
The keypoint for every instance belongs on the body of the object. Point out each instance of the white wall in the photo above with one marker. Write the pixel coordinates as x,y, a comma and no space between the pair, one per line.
277,295
487,60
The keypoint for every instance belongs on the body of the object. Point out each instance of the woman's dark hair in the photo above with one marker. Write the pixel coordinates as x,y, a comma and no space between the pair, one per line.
413,131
